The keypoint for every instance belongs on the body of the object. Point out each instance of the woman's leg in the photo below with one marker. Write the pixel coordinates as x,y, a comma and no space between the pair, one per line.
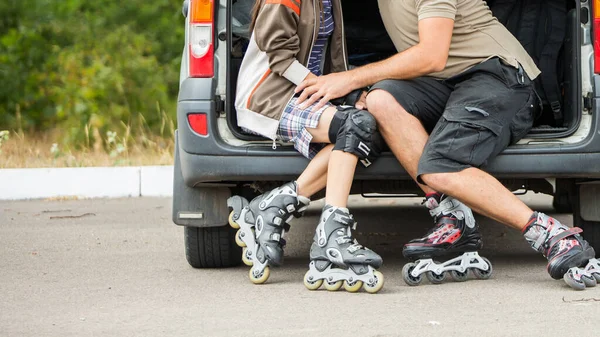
314,177
336,258
339,184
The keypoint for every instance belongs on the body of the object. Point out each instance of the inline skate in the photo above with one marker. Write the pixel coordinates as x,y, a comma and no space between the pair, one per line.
261,225
454,235
569,256
336,258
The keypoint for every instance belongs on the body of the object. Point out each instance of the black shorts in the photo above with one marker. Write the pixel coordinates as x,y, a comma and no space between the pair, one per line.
471,117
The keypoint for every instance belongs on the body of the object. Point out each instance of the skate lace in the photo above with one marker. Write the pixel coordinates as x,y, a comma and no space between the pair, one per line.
346,238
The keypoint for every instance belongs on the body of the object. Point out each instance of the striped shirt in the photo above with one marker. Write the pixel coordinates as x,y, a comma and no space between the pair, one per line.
325,31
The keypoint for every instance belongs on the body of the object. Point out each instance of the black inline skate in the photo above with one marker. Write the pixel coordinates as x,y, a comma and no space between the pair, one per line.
455,236
336,258
569,256
262,224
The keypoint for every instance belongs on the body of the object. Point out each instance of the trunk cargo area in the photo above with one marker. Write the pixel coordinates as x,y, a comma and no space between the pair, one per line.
368,42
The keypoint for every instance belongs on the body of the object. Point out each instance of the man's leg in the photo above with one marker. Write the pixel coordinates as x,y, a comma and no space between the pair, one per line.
406,137
484,194
492,107
403,132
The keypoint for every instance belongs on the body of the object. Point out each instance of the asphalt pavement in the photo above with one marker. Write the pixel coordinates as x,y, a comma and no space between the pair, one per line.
116,267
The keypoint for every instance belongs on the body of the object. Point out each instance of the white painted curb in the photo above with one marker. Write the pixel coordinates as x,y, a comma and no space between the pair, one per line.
88,182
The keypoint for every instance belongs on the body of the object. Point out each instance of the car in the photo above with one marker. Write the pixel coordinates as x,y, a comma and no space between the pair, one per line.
215,159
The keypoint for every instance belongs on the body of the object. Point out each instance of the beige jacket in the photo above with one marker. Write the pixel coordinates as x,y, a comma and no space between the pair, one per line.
277,58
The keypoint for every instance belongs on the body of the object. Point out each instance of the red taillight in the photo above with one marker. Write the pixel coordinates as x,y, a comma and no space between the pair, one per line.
596,32
198,123
200,39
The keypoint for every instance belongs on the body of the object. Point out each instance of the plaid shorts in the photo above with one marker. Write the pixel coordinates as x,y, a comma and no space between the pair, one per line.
293,124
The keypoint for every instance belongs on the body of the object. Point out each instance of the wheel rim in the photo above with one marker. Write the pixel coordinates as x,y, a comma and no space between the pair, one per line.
312,285
262,277
247,260
589,281
353,287
571,282
377,283
335,286
232,223
484,274
408,278
238,239
435,278
458,276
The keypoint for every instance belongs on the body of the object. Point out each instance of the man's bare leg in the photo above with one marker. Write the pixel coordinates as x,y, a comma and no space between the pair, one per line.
484,193
406,137
402,132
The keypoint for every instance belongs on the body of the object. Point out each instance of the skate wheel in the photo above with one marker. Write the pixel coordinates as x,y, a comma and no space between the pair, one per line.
458,276
335,286
246,258
408,278
484,274
238,239
352,287
589,281
260,278
572,282
377,284
312,285
232,222
435,278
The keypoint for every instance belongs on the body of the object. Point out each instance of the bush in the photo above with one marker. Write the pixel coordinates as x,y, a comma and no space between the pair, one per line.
81,65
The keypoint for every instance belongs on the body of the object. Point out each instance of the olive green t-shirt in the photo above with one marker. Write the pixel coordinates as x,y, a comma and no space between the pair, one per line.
477,35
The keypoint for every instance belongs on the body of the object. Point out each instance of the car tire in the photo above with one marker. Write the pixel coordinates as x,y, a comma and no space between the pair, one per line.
211,247
591,232
562,204
562,201
591,229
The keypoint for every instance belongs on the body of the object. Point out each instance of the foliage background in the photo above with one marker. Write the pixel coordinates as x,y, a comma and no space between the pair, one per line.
81,68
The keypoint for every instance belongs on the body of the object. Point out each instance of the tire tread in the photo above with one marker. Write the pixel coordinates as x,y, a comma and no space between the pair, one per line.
211,247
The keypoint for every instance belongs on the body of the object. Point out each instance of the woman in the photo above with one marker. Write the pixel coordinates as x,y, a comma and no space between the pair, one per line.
291,41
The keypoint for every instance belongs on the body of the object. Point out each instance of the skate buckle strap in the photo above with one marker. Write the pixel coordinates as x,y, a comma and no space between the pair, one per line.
445,205
344,219
564,234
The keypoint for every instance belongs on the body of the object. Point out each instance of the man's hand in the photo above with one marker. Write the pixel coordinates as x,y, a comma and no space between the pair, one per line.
323,89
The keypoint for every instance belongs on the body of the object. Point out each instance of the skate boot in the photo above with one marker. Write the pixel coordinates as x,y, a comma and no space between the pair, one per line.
565,250
454,238
336,258
262,224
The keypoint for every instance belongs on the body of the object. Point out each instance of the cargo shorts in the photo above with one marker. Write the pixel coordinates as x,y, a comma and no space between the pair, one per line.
471,117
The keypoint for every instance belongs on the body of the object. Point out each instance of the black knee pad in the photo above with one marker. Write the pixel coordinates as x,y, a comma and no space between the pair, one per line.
355,131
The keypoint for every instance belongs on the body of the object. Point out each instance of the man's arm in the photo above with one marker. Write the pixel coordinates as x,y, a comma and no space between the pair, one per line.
428,56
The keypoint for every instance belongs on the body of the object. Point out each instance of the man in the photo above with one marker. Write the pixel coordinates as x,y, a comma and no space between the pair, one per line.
461,77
